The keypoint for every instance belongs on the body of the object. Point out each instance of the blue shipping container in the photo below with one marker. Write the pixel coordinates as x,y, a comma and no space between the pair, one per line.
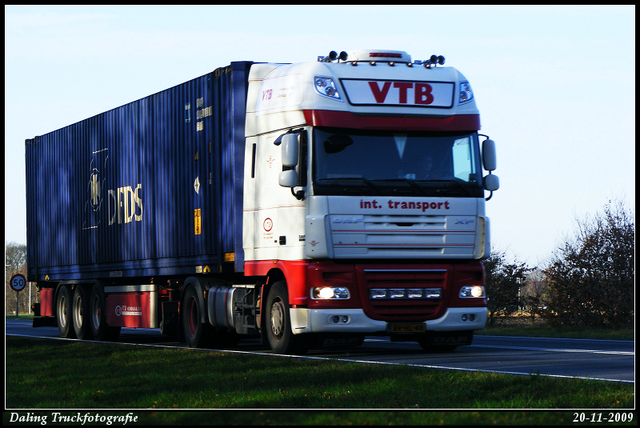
151,188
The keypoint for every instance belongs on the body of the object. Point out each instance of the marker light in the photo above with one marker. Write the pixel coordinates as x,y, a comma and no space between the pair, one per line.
326,87
466,94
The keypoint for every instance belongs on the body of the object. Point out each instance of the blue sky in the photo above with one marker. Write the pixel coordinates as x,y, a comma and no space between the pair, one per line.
555,86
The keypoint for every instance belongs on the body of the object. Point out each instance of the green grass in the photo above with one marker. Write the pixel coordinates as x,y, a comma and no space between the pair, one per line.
538,330
49,374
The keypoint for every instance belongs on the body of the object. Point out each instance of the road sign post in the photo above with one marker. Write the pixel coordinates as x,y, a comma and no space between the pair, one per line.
18,282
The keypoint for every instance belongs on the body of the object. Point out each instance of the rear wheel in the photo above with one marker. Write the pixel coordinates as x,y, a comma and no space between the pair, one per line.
81,323
98,316
278,323
63,312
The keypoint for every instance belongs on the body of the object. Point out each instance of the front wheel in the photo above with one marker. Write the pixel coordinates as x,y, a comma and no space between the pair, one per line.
279,335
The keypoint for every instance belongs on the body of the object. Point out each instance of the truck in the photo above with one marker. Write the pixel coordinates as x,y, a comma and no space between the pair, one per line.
303,204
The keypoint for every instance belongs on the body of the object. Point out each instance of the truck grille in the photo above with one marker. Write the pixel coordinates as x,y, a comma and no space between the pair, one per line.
412,293
410,237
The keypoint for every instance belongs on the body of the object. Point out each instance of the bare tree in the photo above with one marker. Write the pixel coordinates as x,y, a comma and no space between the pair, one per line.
533,294
15,262
591,278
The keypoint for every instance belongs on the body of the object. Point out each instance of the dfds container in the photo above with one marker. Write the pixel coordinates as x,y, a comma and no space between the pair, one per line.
153,187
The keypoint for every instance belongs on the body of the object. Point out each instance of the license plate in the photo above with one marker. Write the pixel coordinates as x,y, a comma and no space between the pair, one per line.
408,328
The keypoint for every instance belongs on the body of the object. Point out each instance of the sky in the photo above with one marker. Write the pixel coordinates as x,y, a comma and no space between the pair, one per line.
555,86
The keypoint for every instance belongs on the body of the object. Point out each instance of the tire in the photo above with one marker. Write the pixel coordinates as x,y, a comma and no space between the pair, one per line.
80,313
278,323
196,333
98,316
64,311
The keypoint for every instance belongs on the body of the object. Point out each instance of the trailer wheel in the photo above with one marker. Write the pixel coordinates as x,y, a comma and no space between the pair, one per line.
63,312
98,316
278,323
80,313
195,332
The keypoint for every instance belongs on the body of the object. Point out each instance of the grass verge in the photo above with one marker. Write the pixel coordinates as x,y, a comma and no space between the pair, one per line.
45,374
521,325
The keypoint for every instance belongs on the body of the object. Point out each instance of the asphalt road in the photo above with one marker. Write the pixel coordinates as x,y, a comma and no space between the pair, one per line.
608,360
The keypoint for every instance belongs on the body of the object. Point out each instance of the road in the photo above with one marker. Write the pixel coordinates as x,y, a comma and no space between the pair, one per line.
608,360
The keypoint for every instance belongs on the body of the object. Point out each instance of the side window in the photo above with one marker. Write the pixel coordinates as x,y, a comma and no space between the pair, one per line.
463,166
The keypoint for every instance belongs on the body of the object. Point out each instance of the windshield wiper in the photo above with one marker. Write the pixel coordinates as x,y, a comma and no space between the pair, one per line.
361,179
455,183
411,183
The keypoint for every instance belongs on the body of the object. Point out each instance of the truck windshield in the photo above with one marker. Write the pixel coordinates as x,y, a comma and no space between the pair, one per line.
375,163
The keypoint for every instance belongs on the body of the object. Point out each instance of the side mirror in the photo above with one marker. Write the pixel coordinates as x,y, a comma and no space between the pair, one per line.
289,150
491,182
489,154
290,153
288,178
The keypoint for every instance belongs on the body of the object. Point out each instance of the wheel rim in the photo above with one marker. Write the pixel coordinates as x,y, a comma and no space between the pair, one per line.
77,311
62,311
96,311
277,319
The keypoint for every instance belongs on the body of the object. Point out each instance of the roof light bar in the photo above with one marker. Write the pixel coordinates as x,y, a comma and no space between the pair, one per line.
374,57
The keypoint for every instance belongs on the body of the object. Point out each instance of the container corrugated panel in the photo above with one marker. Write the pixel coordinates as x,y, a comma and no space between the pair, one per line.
151,188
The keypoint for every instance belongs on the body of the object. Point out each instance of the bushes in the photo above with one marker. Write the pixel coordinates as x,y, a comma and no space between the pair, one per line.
590,281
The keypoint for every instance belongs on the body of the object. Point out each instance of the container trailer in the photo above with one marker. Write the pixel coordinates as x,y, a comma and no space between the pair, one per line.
304,204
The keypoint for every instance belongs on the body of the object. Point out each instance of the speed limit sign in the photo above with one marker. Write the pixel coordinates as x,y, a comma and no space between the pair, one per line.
18,282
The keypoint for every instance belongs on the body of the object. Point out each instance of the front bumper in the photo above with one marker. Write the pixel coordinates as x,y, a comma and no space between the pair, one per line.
355,321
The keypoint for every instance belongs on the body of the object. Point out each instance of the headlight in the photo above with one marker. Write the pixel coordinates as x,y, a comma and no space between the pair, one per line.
329,293
326,86
472,291
466,94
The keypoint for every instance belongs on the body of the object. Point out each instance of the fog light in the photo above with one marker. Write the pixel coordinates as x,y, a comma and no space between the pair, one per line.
414,293
432,293
378,293
396,293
